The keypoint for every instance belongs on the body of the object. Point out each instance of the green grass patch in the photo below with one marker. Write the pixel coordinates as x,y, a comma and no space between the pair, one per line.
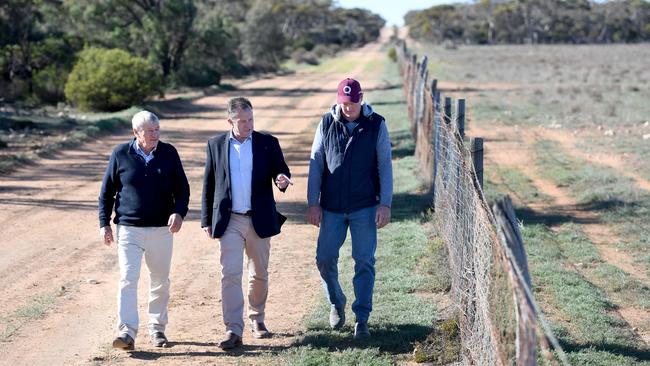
327,64
309,356
621,285
583,316
436,266
621,203
503,180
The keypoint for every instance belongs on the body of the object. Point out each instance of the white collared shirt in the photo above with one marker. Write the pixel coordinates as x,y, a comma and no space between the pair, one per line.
241,172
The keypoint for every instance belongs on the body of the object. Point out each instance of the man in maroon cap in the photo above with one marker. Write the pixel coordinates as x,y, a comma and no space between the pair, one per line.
350,185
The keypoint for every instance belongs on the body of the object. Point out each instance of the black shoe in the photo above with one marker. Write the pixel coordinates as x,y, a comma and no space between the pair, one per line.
124,342
361,331
259,330
158,339
337,317
232,341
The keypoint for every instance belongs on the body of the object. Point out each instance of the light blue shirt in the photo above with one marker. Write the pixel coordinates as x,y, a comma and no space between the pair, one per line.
147,157
241,172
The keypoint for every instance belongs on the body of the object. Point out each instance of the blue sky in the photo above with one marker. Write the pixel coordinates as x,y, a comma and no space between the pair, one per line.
392,10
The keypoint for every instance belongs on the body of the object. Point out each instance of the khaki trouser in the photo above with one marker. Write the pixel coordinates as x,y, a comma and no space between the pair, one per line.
238,238
155,243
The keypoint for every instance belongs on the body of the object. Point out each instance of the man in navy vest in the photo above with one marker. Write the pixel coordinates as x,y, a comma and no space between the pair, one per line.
350,185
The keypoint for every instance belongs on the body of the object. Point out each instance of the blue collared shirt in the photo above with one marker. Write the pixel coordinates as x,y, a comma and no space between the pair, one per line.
147,157
241,172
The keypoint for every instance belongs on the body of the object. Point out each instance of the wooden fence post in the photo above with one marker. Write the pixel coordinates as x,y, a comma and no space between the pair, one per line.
476,150
508,230
435,95
447,110
460,117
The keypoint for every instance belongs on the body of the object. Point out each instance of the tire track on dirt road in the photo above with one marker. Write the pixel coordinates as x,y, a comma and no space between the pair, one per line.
511,147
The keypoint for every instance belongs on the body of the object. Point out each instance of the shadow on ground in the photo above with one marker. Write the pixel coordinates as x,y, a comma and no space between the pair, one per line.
558,215
395,339
407,206
614,349
211,350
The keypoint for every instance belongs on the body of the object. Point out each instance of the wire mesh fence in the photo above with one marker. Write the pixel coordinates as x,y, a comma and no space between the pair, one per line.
500,323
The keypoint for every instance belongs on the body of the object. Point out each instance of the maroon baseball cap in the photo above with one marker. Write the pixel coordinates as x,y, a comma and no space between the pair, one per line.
349,91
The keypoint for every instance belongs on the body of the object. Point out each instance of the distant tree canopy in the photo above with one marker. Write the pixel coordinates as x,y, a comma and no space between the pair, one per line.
188,42
533,21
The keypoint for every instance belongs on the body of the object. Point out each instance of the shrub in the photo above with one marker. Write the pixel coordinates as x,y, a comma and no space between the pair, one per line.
322,50
197,75
301,56
110,80
49,83
392,54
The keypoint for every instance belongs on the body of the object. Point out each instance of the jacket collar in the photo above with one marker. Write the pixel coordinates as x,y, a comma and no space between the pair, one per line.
366,111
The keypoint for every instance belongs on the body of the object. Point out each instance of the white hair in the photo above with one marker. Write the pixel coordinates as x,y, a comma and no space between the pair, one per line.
142,118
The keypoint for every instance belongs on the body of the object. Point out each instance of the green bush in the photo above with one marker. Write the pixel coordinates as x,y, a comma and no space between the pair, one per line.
197,74
49,83
392,54
110,80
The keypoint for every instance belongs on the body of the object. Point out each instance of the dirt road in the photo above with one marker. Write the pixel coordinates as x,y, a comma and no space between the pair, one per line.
58,282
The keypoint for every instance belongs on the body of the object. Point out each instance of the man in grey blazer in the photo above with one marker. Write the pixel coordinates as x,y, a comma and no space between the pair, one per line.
238,208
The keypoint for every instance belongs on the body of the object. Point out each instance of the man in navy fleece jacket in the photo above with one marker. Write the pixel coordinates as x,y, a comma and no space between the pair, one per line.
146,184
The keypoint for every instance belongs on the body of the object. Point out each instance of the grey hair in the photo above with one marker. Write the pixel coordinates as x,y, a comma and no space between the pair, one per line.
143,117
236,104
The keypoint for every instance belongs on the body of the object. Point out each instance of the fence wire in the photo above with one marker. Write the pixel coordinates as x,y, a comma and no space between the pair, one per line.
500,323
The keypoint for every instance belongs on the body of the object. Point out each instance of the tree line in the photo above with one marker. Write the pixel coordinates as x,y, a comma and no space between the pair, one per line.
57,50
533,21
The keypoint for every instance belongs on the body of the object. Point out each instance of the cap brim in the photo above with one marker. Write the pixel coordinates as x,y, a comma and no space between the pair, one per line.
347,99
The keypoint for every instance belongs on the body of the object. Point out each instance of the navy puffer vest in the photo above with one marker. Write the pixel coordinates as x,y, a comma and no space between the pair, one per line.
351,177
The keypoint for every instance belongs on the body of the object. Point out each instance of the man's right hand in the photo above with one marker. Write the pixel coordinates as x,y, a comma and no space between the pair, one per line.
208,231
314,215
106,234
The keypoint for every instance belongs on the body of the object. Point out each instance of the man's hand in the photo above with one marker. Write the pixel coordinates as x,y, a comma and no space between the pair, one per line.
382,218
208,231
175,222
282,181
314,215
106,234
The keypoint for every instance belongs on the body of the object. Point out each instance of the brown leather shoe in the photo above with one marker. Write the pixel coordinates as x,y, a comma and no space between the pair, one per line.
231,341
259,330
124,342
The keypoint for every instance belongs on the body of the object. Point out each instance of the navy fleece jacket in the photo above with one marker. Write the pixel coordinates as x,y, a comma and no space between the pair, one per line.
143,194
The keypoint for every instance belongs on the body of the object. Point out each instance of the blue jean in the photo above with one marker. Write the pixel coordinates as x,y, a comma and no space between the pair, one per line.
363,230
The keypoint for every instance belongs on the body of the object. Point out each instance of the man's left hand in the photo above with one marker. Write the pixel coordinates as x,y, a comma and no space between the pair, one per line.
175,222
382,218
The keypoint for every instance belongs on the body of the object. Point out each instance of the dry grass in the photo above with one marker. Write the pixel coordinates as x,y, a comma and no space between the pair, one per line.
597,92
